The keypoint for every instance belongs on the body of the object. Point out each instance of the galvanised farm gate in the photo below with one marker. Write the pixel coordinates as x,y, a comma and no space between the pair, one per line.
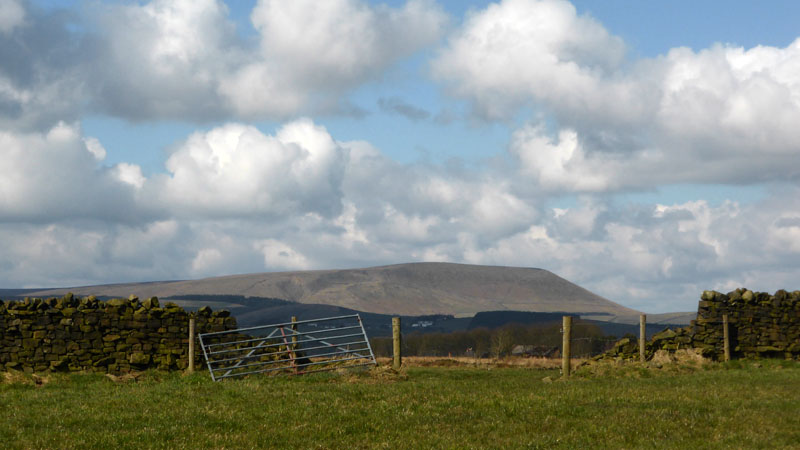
296,347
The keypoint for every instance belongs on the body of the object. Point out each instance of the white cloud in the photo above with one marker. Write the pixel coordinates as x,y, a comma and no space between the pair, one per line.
429,202
341,41
785,234
661,256
719,115
39,102
311,52
184,59
578,222
235,170
560,165
238,200
46,255
496,211
401,227
518,49
278,255
141,246
42,80
53,175
164,58
744,100
130,174
353,235
95,148
12,15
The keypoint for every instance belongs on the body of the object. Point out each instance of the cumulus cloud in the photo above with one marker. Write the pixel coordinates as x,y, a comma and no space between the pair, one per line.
518,49
560,164
130,174
239,200
54,175
281,256
95,148
719,115
570,161
311,58
184,59
42,79
12,15
163,59
235,170
431,200
733,97
658,256
652,257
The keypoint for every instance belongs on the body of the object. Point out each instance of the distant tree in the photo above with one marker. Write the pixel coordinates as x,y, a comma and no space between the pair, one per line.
502,342
481,341
588,339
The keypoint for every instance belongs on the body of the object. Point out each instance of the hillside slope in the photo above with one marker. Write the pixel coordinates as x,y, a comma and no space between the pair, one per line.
409,289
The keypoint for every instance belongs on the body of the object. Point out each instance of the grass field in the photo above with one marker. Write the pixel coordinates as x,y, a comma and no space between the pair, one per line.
738,405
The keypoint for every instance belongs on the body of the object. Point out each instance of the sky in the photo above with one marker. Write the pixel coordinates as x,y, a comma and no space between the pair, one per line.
646,151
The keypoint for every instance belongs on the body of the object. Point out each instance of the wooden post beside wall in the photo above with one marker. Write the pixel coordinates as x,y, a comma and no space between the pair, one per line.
642,336
398,358
565,345
191,343
726,338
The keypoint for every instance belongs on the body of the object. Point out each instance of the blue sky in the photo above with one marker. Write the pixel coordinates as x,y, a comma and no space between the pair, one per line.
646,151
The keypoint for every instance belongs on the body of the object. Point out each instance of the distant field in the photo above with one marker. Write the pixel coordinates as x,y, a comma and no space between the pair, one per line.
739,405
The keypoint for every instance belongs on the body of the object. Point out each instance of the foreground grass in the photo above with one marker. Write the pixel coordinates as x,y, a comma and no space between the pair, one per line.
737,406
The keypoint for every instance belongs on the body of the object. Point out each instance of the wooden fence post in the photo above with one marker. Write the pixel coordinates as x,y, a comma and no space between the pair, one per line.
726,338
191,343
398,358
565,345
642,336
294,331
293,349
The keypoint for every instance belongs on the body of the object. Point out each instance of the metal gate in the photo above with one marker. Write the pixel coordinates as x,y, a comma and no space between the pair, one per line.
296,347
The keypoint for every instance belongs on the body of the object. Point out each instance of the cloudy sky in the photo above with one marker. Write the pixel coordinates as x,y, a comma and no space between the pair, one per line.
644,151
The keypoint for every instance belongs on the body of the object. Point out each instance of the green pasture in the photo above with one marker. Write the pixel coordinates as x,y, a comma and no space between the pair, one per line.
735,405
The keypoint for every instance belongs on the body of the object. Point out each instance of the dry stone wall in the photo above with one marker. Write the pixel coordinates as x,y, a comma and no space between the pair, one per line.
759,325
115,336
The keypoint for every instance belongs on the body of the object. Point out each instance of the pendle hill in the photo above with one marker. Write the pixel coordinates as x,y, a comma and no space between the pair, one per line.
415,289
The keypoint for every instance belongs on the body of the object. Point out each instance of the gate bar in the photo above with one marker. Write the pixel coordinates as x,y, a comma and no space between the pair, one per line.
277,325
281,352
277,361
369,346
278,344
296,333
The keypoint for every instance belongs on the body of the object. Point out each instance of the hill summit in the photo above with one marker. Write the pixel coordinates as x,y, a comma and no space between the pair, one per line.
407,289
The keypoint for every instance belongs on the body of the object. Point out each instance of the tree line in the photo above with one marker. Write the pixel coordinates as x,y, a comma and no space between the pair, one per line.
587,339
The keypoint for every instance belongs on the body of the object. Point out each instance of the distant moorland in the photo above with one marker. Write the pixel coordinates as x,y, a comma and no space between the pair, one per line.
406,289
